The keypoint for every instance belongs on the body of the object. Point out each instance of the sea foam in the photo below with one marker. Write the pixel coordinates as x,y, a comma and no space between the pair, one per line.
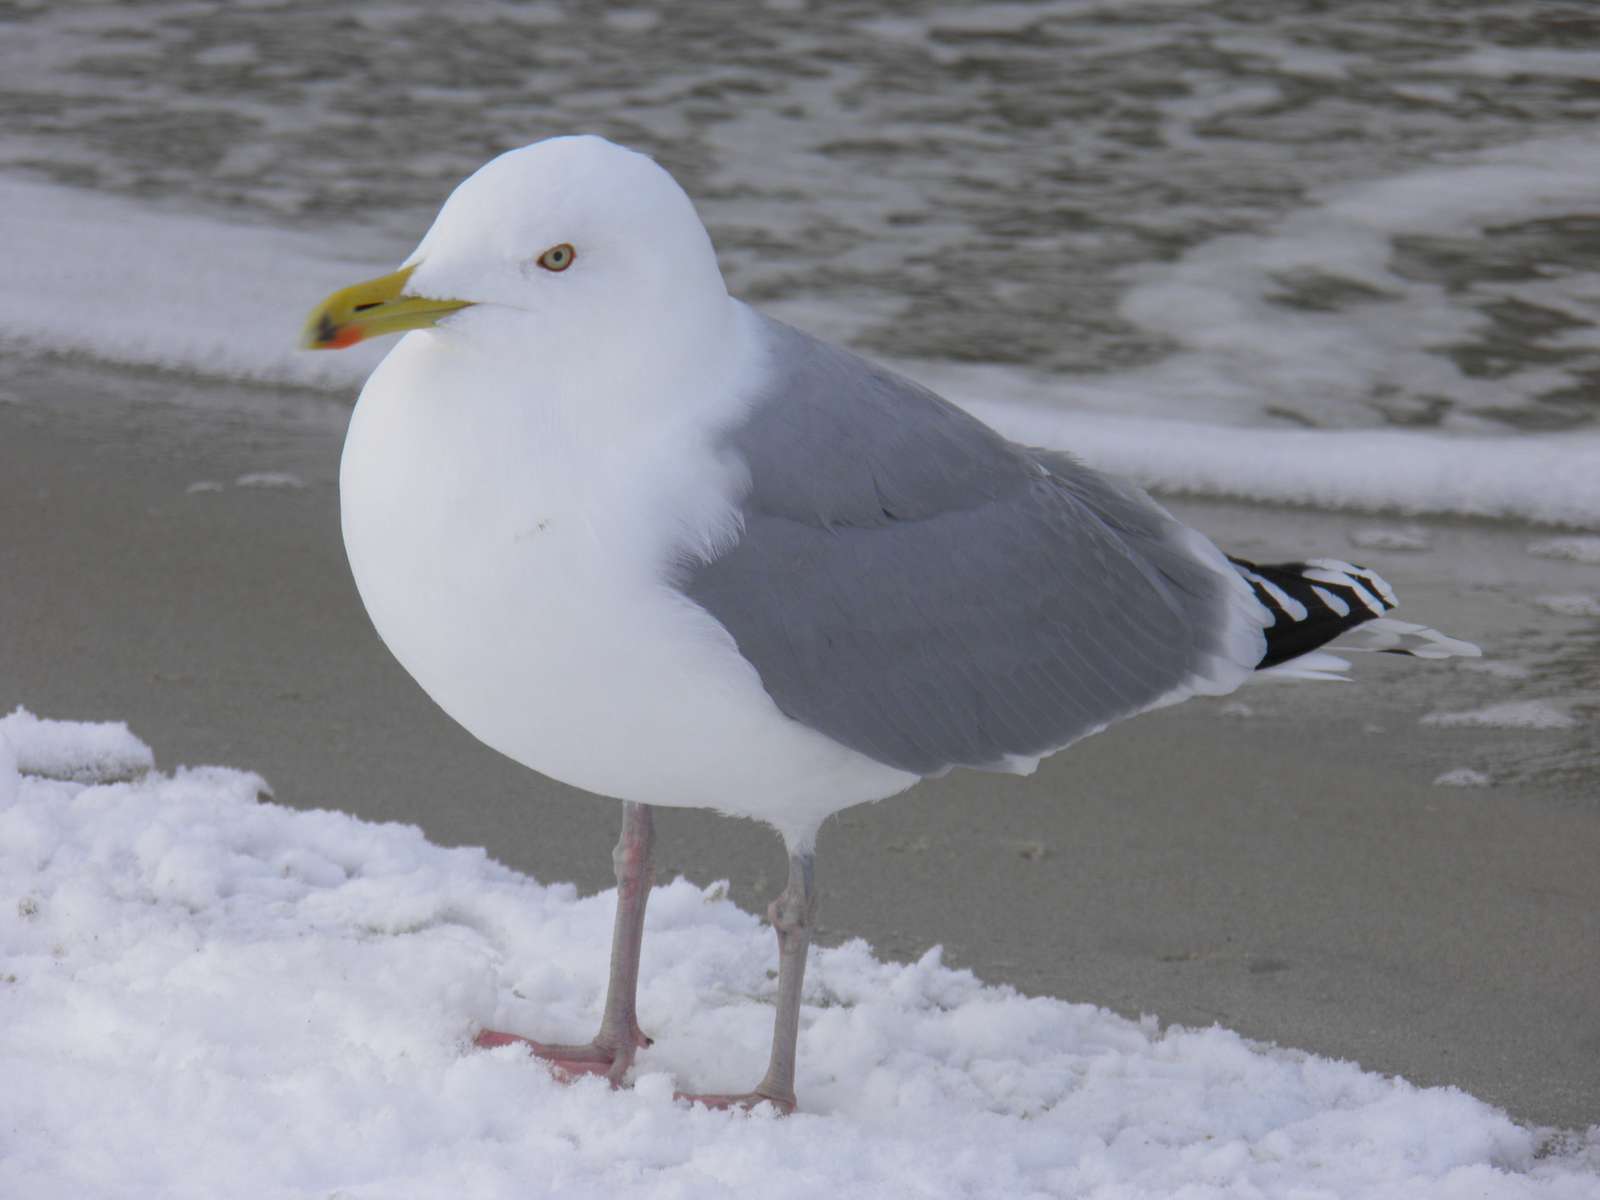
116,280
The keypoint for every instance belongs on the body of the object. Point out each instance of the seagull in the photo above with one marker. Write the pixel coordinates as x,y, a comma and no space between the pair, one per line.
642,539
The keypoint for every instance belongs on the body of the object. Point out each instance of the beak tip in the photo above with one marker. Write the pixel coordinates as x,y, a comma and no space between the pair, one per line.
322,333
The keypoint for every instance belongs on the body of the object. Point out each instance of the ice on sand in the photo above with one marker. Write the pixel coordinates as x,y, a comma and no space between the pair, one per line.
1511,714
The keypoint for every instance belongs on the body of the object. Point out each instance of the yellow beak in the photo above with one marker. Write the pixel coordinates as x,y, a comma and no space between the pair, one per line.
372,309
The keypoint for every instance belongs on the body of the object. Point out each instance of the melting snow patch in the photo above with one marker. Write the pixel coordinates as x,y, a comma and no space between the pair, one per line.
1514,714
80,751
1577,549
1495,666
1578,605
270,479
1410,537
1462,777
211,996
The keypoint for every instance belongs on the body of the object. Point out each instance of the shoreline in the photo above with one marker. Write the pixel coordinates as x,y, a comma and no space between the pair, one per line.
1279,861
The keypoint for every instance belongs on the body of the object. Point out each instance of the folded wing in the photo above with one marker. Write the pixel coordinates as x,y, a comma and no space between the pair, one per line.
916,587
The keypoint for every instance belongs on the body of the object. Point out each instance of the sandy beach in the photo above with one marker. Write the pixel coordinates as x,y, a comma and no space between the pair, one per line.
1281,862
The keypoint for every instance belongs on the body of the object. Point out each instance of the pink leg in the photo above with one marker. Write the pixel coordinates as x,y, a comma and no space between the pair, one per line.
793,915
612,1050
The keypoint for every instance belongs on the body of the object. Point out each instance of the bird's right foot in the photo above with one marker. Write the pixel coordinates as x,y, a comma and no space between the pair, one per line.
603,1056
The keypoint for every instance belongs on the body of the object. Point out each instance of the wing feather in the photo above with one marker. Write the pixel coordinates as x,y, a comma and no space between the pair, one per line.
916,587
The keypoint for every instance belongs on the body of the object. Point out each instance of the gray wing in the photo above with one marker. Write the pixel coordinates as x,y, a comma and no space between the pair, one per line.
911,584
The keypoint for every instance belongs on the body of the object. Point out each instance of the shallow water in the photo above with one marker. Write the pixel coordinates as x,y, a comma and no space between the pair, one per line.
1243,212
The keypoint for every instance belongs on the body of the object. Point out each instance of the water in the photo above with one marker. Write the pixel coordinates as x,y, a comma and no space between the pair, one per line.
1246,212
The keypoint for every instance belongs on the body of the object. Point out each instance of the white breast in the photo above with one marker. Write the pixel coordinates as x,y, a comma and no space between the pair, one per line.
515,556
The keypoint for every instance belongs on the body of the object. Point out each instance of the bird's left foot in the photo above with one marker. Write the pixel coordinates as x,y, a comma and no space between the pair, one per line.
603,1056
744,1100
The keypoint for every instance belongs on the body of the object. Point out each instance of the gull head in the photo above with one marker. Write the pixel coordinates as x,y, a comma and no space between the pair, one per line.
572,241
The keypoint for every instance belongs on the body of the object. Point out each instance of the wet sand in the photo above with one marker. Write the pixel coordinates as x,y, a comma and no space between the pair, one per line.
1287,869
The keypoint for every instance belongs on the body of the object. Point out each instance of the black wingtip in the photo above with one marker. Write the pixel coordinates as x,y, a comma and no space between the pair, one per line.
1313,602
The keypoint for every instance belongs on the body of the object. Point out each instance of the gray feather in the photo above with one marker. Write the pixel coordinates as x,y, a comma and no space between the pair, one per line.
918,588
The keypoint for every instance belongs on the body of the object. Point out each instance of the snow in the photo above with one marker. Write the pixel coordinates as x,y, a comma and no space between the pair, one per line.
1584,550
1497,667
270,479
212,996
1573,604
1411,538
1512,714
86,752
1462,777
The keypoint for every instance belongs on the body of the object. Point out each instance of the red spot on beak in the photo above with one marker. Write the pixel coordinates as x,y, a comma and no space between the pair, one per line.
345,335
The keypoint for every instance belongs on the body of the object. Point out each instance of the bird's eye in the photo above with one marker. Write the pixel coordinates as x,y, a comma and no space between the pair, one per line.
558,258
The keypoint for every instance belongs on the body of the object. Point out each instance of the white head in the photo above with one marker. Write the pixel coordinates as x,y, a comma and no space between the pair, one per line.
567,243
636,244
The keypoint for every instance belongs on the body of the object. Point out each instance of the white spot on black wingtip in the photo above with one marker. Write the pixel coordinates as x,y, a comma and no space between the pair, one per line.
1334,603
1280,599
1355,584
1359,576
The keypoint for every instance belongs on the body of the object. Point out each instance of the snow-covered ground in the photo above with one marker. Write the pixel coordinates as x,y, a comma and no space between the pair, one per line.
206,994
